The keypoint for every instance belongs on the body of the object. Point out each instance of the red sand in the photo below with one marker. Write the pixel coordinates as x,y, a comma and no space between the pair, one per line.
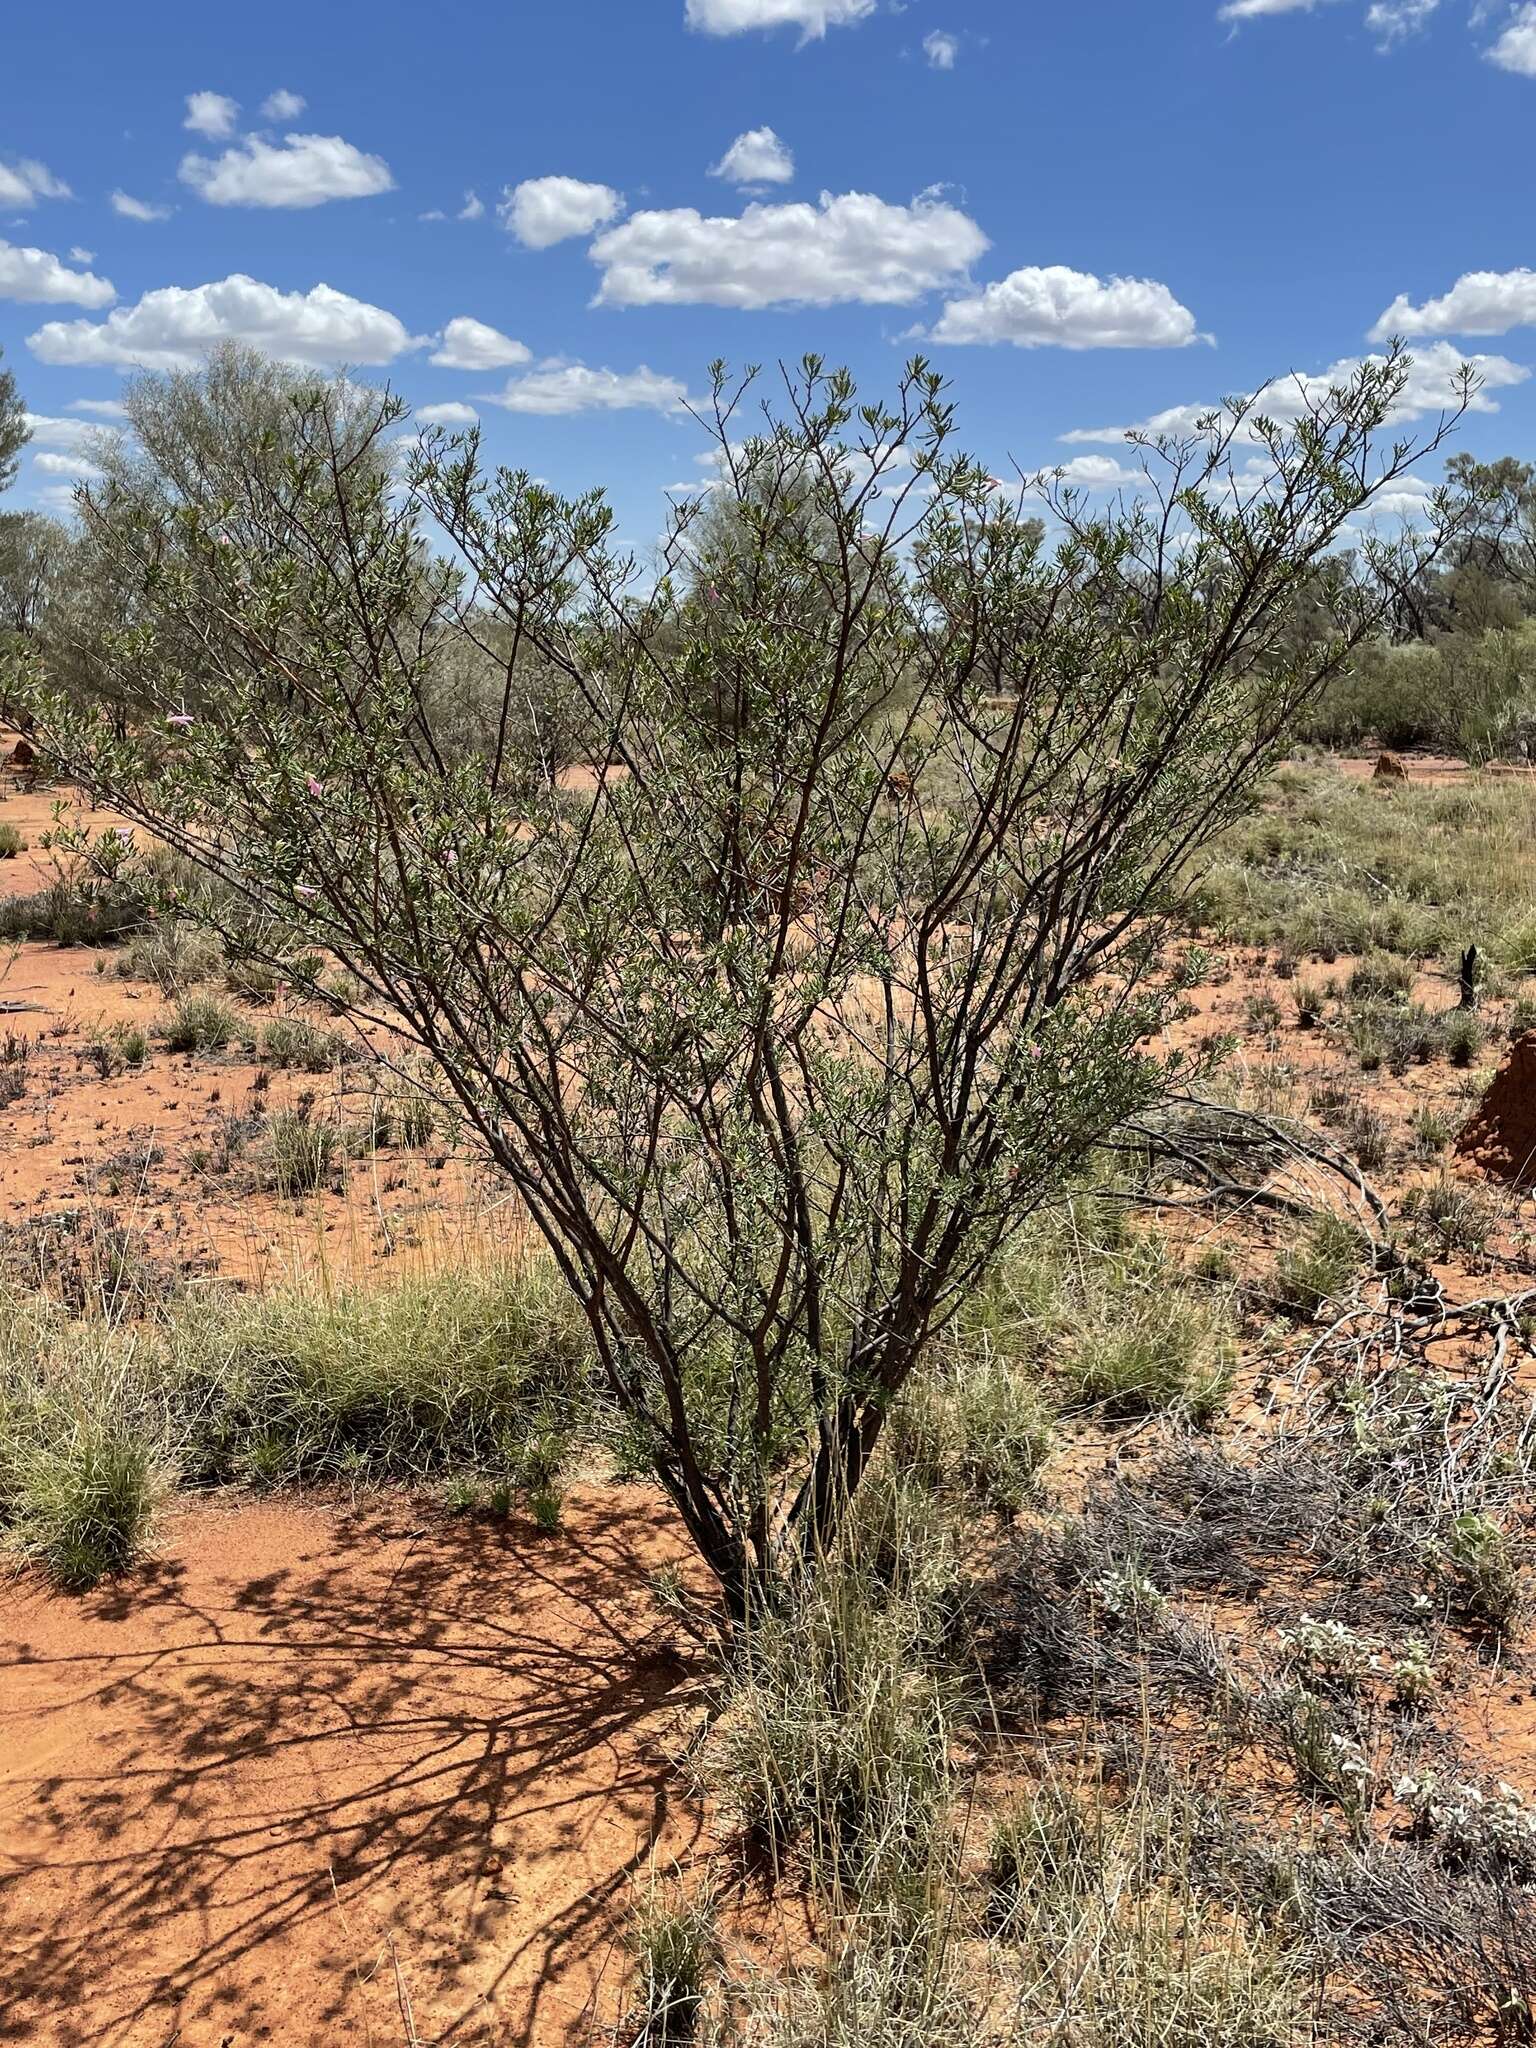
308,1766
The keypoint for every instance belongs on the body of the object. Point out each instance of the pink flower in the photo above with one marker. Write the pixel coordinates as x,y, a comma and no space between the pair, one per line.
314,785
305,890
451,858
177,718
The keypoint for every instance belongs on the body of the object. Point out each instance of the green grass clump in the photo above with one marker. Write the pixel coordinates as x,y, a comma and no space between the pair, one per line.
82,1501
71,913
977,1424
11,842
834,1734
1463,1037
198,1023
117,1049
464,1371
173,956
480,1373
1316,1270
1146,1347
302,1154
294,1042
1330,866
674,1943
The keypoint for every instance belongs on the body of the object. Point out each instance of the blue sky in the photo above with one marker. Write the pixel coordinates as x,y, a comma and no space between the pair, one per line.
1094,213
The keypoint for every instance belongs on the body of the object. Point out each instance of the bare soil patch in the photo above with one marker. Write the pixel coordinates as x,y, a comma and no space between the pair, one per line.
313,1766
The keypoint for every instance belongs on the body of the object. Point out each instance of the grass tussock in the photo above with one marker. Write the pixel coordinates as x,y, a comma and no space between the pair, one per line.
199,1023
1332,867
476,1372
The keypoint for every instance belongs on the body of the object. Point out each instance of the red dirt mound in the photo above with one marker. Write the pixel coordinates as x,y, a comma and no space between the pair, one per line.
1501,1137
1389,769
311,1772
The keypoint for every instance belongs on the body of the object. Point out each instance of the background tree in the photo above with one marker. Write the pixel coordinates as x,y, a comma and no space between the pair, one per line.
784,1025
14,431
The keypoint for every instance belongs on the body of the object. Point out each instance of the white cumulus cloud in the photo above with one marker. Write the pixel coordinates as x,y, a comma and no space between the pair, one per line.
302,170
170,329
1252,10
850,248
812,17
449,414
941,50
79,466
73,437
1431,385
467,344
556,388
212,114
756,158
1479,302
543,211
102,408
1391,21
26,181
1061,308
1097,473
130,208
1515,49
37,278
283,105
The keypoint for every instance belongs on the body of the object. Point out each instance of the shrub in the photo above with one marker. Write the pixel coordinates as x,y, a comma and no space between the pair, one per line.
198,1023
11,842
613,979
1480,1563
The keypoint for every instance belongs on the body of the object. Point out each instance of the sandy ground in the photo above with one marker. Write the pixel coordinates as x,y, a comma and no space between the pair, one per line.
310,1770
